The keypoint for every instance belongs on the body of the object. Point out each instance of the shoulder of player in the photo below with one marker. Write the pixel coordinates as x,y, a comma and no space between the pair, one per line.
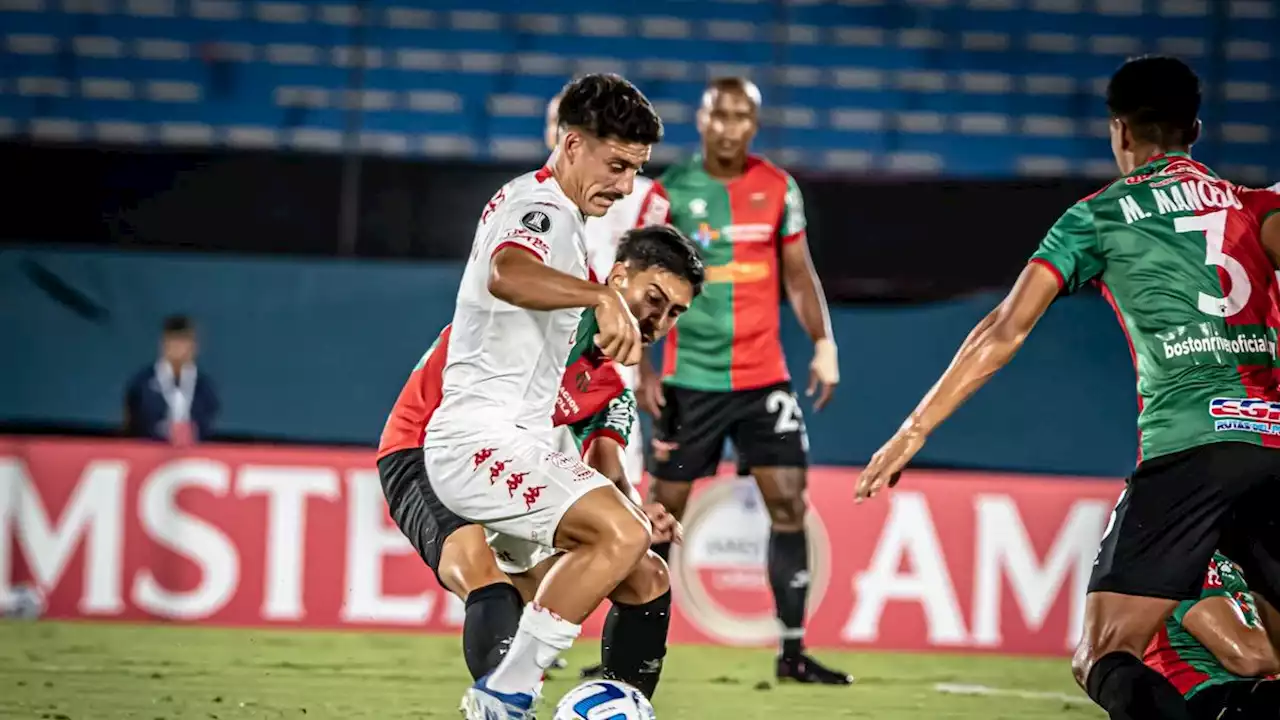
1104,192
763,166
544,199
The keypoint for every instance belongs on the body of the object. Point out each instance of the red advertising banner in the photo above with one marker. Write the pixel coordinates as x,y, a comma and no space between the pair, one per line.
300,537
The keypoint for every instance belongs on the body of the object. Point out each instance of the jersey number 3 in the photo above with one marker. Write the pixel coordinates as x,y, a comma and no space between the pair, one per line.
1214,227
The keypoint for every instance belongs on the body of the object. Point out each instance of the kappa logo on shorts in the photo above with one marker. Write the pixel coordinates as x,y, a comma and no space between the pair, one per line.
531,496
482,457
514,481
537,221
496,469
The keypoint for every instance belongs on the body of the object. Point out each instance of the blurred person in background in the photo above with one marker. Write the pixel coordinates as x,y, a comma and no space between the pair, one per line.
724,375
602,235
1216,651
170,400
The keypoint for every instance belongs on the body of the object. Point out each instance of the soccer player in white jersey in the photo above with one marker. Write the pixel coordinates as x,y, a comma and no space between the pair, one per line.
602,235
489,447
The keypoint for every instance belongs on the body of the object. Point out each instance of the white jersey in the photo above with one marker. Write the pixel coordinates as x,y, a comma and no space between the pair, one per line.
505,363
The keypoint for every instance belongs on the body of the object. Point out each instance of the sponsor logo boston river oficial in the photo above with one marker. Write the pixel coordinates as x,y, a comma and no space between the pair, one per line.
1246,415
1213,344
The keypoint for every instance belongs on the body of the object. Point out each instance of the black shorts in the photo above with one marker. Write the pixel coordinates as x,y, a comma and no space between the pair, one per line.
1239,700
414,506
1177,509
765,425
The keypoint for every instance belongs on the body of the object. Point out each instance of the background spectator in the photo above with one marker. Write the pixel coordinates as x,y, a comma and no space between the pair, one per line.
171,400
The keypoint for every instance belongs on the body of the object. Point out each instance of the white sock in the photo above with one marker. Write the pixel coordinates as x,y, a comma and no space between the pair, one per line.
540,638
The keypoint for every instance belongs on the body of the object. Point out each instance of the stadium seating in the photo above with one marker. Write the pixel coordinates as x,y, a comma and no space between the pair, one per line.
989,88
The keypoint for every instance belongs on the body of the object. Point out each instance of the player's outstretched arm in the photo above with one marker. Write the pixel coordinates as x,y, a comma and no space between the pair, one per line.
989,347
1225,629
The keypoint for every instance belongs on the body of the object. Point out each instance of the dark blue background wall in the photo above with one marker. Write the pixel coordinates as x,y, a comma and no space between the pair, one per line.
317,350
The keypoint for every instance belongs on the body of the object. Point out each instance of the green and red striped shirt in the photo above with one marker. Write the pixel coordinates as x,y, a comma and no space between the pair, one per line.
1176,654
1176,250
729,339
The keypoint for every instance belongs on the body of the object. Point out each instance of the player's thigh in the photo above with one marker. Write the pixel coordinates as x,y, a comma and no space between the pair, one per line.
1251,535
769,430
467,563
1165,526
416,510
688,437
517,485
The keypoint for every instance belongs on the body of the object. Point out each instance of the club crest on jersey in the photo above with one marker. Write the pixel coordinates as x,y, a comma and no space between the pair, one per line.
1245,415
537,221
698,207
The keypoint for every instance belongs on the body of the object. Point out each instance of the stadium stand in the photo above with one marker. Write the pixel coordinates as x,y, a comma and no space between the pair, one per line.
991,88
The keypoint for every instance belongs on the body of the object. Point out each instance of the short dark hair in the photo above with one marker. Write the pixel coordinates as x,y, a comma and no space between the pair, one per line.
178,324
1158,97
734,84
607,106
665,247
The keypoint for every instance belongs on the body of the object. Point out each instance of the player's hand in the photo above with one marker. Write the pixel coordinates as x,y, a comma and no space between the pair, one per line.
665,526
824,372
649,395
619,336
886,465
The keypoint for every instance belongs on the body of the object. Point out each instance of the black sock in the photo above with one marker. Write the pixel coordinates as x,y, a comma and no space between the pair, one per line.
1129,690
789,578
662,550
493,614
635,642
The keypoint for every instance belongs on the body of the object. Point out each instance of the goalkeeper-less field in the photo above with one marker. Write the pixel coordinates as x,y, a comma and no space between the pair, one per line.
90,671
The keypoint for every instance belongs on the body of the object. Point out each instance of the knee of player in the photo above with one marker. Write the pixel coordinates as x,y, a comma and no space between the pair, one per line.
787,513
654,570
1081,662
631,539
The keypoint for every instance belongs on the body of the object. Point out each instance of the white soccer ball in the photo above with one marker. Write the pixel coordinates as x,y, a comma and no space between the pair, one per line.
604,700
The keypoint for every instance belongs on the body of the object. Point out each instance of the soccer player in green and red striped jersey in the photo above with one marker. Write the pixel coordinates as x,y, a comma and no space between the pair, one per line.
724,375
1216,652
1187,260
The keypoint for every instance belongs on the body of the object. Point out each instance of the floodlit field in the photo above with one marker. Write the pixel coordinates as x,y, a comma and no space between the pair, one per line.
86,671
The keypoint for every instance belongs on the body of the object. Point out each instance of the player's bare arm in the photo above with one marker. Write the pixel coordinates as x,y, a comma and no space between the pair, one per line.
804,290
989,347
517,277
1243,649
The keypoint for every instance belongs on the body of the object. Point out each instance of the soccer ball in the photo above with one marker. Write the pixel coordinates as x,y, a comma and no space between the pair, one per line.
604,700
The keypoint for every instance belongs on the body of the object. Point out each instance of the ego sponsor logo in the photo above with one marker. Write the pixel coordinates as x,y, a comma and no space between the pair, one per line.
1245,415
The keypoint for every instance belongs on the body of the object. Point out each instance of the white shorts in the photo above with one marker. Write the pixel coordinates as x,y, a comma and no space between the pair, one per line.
516,555
516,484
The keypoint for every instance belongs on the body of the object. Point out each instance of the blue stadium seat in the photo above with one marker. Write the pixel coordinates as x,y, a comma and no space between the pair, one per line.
975,88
